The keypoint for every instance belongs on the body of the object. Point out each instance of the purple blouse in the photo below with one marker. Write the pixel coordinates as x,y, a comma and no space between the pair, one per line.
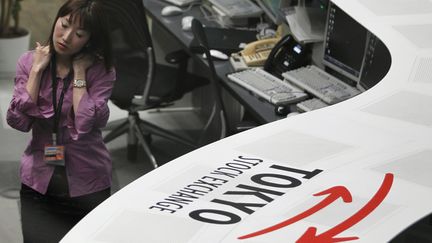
88,162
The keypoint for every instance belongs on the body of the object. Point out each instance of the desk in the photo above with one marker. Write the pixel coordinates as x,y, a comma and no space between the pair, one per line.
280,179
261,111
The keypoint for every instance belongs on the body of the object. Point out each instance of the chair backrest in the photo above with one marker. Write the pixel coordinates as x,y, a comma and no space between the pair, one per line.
130,37
217,120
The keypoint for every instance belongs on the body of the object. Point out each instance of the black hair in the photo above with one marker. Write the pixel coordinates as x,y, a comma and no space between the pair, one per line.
92,19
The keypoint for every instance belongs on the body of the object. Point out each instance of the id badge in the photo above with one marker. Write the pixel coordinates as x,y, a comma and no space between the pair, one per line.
54,155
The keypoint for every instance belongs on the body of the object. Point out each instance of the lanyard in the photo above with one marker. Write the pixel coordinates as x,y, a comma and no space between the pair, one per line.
57,107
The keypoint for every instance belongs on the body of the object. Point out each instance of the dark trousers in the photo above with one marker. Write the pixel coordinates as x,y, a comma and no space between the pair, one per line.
47,218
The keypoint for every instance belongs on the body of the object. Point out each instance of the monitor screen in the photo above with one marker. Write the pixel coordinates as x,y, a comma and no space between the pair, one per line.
321,4
376,64
344,43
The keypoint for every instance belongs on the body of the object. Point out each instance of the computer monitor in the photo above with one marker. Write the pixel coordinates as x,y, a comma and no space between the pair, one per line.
352,51
376,63
272,9
344,43
321,4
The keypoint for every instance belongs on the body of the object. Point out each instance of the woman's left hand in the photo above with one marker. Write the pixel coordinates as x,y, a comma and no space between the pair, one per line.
82,61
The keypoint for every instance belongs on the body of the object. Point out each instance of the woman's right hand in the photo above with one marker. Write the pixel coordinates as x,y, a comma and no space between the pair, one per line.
41,57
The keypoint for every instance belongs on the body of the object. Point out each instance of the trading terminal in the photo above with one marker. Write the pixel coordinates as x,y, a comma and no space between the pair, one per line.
334,43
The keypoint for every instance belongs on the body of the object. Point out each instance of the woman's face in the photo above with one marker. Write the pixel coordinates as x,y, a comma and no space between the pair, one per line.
69,38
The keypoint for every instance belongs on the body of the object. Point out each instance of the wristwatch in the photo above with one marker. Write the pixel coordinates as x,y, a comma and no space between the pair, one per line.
79,83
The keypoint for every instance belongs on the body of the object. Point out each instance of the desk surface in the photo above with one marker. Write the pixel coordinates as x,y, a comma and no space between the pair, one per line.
262,111
282,181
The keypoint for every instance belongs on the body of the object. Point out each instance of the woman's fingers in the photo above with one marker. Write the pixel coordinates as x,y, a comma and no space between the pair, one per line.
46,48
38,45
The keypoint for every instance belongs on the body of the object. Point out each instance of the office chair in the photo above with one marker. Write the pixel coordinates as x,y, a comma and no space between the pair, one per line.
141,83
217,120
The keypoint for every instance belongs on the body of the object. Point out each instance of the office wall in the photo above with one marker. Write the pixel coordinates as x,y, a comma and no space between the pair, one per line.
37,16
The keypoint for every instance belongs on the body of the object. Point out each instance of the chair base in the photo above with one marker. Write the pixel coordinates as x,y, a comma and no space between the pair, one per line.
140,131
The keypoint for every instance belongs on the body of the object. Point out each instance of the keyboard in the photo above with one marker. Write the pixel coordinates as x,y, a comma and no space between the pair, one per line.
237,8
311,104
267,86
320,84
181,3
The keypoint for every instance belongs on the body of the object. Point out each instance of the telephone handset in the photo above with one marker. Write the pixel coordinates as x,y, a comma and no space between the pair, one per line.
256,53
286,55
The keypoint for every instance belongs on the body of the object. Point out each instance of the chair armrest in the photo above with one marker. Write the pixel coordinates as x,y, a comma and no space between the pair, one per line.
245,125
140,101
177,57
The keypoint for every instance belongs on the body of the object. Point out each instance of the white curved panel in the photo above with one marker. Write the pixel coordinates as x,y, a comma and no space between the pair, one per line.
419,35
398,7
414,167
423,73
404,106
376,145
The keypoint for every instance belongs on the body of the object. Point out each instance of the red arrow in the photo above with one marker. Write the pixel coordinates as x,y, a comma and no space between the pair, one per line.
310,235
333,194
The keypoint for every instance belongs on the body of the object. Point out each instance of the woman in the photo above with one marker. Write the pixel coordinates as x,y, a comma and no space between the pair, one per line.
61,93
